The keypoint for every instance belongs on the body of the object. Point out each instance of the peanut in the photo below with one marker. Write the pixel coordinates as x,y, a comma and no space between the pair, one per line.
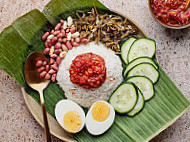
52,32
58,60
84,41
58,26
47,77
53,56
62,21
60,40
46,45
57,45
39,63
60,35
44,37
56,33
57,51
55,68
51,61
47,68
42,74
54,39
41,69
46,51
67,30
53,78
52,71
64,47
64,40
44,63
75,44
50,36
69,46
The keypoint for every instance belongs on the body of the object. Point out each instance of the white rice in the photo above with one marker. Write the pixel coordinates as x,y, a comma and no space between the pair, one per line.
82,96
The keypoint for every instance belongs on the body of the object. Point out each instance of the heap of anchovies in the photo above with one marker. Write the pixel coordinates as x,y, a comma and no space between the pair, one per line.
111,30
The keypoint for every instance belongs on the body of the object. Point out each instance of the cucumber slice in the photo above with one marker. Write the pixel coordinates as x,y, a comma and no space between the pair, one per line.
144,69
125,48
141,47
124,98
139,105
144,84
138,61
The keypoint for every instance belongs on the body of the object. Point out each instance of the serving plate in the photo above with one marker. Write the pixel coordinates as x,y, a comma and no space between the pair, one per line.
55,128
162,110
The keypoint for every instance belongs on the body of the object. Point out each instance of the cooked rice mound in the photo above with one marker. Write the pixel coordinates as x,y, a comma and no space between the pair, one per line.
85,97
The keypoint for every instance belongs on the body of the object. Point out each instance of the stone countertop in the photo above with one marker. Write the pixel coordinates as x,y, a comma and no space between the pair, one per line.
173,49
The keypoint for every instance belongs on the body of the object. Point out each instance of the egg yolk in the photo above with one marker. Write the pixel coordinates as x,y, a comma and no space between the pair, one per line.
100,111
72,121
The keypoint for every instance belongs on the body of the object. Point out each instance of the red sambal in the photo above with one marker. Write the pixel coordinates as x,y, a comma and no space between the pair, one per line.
171,12
88,70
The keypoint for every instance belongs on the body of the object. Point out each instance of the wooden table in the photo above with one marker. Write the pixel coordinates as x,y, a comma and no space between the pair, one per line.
173,49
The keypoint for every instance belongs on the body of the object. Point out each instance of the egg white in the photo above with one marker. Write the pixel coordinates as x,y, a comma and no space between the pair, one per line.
63,107
96,128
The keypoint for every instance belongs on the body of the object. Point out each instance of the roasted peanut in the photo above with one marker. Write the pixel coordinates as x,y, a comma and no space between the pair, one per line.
53,77
56,33
47,77
47,68
84,41
41,69
60,40
57,45
55,68
39,63
44,63
42,74
69,46
57,51
52,71
64,40
51,61
58,26
58,60
62,21
53,56
64,47
75,44
44,37
50,36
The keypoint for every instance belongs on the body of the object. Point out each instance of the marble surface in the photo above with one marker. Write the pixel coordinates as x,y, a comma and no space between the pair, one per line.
173,49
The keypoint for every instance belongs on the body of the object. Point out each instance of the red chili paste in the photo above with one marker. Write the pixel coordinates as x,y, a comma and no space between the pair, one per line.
88,70
171,12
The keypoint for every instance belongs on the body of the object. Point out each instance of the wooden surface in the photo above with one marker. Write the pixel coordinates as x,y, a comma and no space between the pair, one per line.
173,48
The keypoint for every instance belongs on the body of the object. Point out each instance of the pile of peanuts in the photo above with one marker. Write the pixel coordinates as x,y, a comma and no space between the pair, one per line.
57,42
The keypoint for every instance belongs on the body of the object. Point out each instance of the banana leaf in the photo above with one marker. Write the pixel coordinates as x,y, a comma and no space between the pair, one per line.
24,36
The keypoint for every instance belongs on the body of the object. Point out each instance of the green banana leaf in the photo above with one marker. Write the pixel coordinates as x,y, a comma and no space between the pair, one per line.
24,36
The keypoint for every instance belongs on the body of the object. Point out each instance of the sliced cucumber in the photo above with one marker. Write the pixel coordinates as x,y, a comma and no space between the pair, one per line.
144,69
139,105
124,98
144,85
138,61
125,48
141,47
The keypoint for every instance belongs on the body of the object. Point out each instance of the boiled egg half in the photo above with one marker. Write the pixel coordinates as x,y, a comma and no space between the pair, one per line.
99,118
70,116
